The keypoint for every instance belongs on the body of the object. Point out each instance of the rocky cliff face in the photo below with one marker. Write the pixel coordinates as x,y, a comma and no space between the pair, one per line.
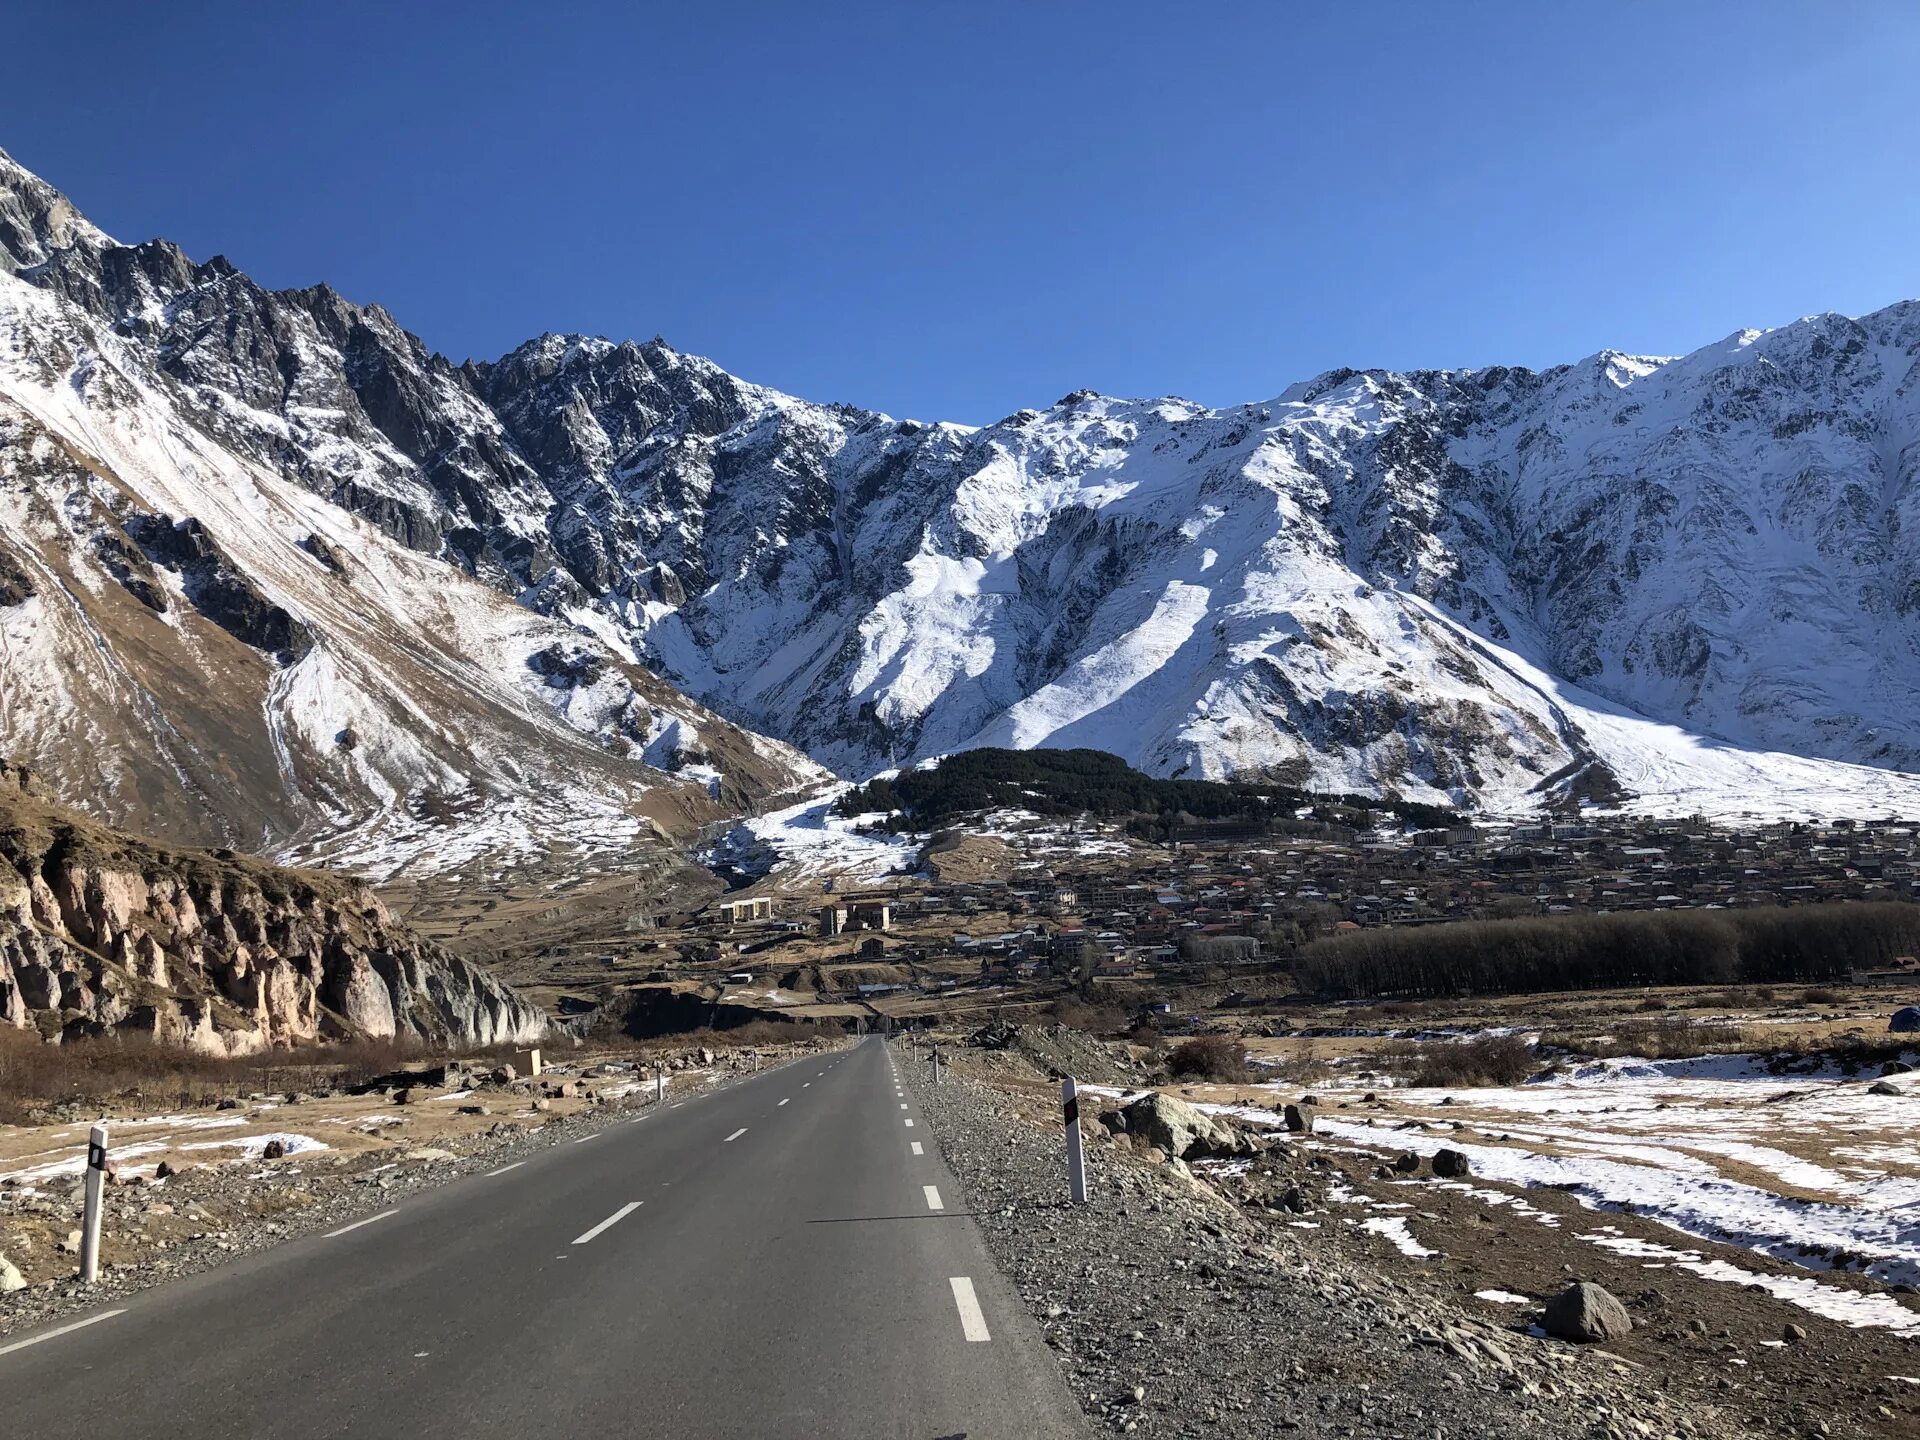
227,612
1682,583
103,932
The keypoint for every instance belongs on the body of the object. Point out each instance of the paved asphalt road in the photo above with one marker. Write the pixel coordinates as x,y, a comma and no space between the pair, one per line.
771,1259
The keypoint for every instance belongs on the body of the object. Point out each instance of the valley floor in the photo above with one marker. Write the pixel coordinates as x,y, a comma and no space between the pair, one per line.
1758,1226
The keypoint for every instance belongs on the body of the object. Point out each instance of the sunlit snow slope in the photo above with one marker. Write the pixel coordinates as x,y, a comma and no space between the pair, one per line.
1670,584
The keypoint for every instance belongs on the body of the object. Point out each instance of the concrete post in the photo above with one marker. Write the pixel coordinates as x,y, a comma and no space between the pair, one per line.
659,1085
936,1064
1076,1160
96,1184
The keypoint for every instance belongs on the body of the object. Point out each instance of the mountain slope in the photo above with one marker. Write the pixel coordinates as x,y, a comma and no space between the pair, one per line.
192,641
1675,583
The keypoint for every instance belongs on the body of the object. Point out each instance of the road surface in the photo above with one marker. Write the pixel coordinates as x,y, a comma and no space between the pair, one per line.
785,1257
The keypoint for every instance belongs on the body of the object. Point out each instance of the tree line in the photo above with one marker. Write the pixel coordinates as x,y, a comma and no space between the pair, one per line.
1801,944
1075,782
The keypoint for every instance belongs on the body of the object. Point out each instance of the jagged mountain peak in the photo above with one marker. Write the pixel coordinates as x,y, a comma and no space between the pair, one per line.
1678,578
37,222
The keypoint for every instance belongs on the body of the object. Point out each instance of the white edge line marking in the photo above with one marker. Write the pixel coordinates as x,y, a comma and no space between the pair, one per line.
805,1084
358,1223
903,1104
584,1138
734,1136
916,1147
973,1324
932,1192
613,1219
909,1122
503,1169
63,1330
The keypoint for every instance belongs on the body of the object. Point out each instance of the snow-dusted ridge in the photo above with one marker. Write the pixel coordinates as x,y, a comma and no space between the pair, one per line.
1674,584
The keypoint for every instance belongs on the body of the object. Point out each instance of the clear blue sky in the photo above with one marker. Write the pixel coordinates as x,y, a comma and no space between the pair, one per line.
954,210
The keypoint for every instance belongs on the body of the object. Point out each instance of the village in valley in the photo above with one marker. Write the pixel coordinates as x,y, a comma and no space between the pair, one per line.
1018,907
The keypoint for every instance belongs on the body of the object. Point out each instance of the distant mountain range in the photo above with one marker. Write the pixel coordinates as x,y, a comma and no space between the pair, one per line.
272,571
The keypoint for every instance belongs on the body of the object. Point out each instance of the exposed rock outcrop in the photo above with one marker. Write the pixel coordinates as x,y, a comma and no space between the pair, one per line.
104,932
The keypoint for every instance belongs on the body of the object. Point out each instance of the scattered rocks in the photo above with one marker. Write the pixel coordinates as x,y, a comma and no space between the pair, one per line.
10,1277
1451,1165
1174,1314
1299,1120
275,1150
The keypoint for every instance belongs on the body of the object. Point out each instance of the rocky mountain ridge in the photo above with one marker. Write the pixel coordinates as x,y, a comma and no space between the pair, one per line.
194,641
1676,584
102,932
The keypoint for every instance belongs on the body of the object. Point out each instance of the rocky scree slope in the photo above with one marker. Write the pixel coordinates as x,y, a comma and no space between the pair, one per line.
196,640
1680,584
103,932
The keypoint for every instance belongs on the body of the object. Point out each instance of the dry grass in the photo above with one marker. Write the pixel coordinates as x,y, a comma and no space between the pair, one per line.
35,1074
1666,1038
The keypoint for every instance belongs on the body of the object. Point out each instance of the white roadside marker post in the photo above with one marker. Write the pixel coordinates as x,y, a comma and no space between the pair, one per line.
90,1224
1076,1161
936,1064
659,1085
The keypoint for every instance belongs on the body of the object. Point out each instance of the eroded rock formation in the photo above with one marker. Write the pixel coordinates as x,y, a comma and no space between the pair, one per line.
103,932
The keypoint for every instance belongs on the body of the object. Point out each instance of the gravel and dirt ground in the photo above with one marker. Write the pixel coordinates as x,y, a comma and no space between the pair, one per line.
1176,1312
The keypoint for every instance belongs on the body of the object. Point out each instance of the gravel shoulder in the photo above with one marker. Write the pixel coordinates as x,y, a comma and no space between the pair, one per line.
1174,1313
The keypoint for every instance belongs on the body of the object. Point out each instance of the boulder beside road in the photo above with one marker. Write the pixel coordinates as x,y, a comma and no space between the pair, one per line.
1586,1313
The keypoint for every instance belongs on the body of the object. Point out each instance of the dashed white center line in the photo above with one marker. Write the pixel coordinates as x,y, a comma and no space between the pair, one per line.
734,1136
908,1122
63,1330
932,1192
503,1169
916,1147
613,1219
358,1223
805,1084
973,1324
783,1102
903,1104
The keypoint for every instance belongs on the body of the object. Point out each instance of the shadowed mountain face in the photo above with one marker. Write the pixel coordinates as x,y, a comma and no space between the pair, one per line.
1677,580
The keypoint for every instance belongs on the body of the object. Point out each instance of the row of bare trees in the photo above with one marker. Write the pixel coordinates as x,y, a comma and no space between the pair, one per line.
1802,944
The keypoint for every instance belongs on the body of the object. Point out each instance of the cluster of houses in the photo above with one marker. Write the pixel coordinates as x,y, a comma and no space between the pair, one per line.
1235,898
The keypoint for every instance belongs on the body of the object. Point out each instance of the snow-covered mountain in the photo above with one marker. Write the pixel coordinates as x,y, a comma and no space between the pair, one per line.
1677,581
194,641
